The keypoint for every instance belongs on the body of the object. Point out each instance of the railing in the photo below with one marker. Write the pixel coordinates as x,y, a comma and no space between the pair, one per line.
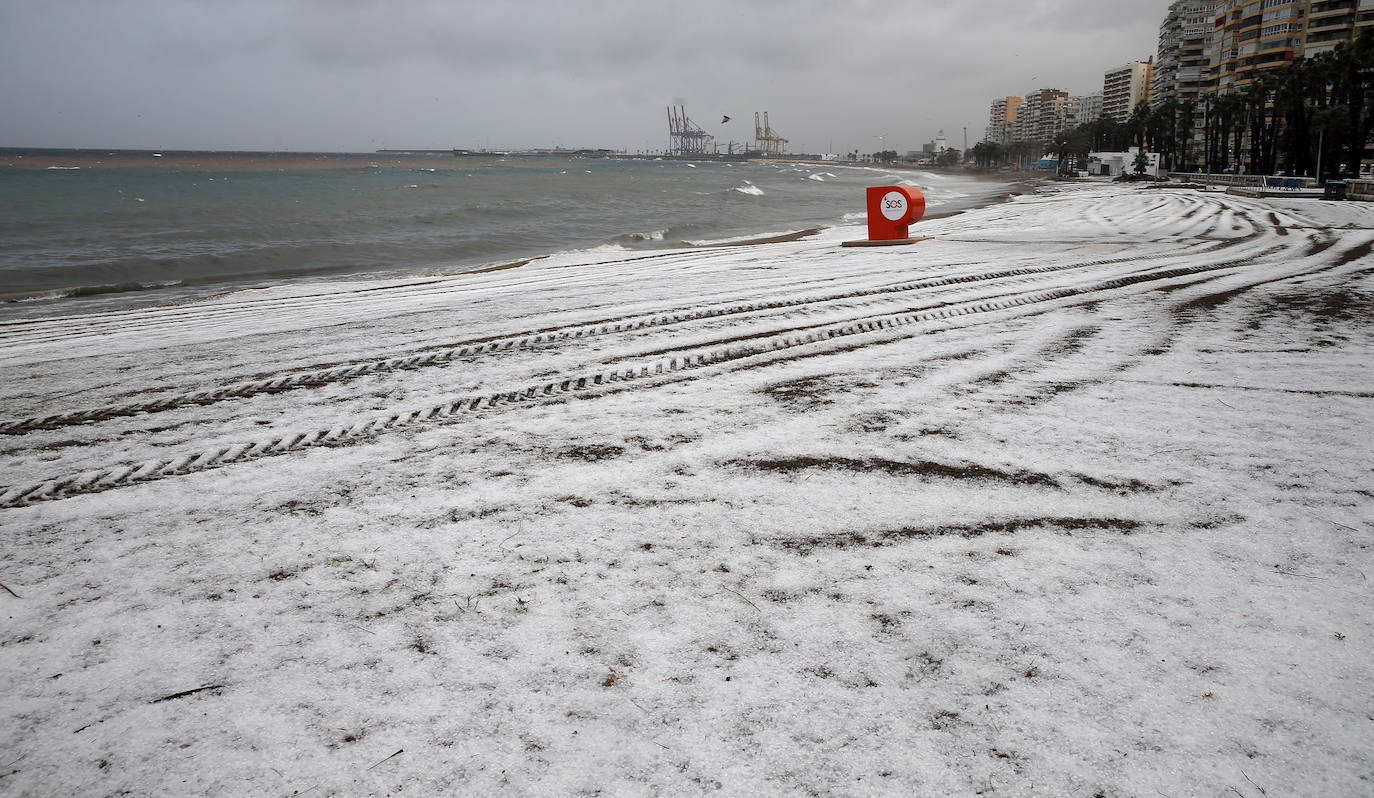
1252,181
1360,190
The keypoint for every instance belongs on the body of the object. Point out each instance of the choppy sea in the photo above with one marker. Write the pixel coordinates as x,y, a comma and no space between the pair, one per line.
86,230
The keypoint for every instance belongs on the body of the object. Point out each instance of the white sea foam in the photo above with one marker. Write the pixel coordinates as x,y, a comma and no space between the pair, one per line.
716,242
749,188
64,168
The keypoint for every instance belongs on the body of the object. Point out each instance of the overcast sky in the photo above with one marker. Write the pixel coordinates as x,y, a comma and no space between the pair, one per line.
360,75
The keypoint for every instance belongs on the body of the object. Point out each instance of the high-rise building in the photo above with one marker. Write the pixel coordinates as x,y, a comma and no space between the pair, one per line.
1125,87
1223,46
1250,37
1042,115
1181,67
1330,22
1002,119
1087,108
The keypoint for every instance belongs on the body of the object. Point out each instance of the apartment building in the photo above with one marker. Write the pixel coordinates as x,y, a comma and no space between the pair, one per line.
1181,63
1330,22
1002,119
1043,114
1251,37
1039,116
1125,87
1087,108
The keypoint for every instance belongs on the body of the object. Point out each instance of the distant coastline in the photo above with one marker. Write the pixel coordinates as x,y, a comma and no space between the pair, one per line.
252,160
43,158
217,160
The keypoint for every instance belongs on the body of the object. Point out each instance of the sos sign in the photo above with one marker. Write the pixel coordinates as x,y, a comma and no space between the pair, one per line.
891,209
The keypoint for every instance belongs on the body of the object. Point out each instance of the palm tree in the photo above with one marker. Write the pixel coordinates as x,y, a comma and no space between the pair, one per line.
1138,125
1159,127
1354,65
986,153
1222,113
1020,151
1183,134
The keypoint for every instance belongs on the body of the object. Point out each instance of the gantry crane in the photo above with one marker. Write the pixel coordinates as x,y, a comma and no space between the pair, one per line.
685,137
770,144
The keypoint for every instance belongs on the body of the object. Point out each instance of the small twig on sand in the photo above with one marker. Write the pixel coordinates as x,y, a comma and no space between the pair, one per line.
1342,526
11,592
741,595
185,693
398,753
1304,576
1252,781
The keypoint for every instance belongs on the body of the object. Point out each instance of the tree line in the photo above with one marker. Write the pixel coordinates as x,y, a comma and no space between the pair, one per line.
1313,116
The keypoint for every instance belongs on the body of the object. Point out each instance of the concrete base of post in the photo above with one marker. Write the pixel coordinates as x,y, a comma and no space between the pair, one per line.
888,243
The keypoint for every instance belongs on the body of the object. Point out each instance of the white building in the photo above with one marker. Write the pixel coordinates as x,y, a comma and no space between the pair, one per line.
1114,164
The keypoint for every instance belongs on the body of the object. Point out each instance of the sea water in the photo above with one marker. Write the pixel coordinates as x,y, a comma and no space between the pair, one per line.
90,231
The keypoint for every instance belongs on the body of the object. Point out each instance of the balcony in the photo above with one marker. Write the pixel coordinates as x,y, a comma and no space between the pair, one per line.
1316,23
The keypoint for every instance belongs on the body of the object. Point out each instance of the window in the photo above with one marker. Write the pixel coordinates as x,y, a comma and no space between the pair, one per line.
1282,13
1283,27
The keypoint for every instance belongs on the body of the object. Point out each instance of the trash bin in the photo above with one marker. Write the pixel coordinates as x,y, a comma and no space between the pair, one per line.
1335,190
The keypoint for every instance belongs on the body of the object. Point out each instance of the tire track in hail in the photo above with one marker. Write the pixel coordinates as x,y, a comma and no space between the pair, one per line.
662,371
440,356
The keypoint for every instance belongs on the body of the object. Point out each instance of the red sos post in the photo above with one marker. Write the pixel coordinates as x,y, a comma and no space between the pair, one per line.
891,209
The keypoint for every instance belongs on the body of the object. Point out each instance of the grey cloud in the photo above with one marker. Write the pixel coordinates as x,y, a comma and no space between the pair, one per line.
352,74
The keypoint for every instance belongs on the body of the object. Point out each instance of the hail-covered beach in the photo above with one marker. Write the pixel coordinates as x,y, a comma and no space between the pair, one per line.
1074,498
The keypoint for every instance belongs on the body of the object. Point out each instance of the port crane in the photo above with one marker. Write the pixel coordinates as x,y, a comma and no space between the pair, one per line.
686,137
770,144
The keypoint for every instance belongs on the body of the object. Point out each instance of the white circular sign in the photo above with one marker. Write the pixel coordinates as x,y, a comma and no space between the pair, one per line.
894,205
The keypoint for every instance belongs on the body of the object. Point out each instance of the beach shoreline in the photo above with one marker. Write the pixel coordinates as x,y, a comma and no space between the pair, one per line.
150,229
